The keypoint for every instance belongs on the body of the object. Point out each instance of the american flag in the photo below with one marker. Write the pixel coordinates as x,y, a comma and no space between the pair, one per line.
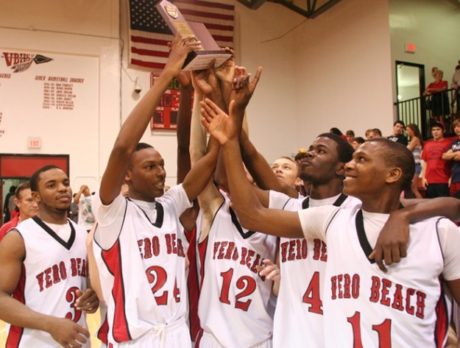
149,34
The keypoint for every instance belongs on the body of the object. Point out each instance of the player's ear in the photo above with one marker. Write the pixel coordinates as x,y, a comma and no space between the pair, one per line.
340,169
128,175
393,175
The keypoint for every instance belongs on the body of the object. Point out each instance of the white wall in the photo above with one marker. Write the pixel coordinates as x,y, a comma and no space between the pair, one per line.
65,31
433,26
343,65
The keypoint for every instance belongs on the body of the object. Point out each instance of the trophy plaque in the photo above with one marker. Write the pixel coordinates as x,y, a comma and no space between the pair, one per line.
196,60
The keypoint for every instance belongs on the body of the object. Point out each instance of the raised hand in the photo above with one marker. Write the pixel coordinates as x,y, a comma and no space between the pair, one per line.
205,82
217,122
179,50
185,79
244,86
225,72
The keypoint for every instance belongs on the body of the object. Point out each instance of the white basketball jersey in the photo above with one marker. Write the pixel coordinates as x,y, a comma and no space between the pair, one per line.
365,307
53,271
235,302
299,309
143,275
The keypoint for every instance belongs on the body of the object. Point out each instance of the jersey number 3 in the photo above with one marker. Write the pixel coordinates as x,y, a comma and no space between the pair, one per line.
246,284
71,297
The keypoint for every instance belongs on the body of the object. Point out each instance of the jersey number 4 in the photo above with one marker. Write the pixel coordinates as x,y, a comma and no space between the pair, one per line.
157,277
312,295
246,284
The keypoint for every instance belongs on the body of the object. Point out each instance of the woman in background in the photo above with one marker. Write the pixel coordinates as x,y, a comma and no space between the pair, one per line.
415,145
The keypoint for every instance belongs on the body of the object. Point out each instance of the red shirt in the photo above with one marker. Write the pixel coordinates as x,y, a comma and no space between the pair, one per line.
8,226
438,85
437,170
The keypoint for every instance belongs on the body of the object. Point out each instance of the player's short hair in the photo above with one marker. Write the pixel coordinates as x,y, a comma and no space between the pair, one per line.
23,186
35,178
344,149
141,146
398,155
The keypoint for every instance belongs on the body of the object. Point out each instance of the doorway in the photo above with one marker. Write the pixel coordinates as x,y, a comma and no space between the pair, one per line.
410,85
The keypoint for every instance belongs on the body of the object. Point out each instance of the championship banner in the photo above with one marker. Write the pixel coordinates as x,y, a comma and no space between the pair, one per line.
43,93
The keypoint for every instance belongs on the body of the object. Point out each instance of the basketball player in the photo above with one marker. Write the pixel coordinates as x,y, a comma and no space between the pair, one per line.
43,267
27,207
298,318
363,306
235,307
140,242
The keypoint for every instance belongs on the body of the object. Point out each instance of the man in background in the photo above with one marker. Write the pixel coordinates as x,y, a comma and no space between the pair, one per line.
435,170
398,133
27,208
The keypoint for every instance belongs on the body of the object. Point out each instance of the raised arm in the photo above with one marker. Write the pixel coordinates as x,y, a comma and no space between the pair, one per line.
184,117
64,331
136,123
250,211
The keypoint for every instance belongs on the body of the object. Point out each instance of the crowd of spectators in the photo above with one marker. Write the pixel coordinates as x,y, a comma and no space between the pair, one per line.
437,160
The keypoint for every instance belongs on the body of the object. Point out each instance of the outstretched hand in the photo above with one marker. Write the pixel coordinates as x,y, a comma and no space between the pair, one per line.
244,86
217,122
180,48
206,82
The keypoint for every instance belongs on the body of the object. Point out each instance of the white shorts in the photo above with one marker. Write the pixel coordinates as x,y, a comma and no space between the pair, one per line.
174,335
209,341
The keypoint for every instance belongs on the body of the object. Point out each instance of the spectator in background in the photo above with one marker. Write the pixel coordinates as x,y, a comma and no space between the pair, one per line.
85,211
368,133
350,134
453,155
433,71
375,133
456,85
73,210
436,171
26,205
415,145
8,205
439,104
357,141
398,133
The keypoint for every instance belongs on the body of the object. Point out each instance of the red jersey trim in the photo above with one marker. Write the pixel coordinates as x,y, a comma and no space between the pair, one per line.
112,259
442,320
15,333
